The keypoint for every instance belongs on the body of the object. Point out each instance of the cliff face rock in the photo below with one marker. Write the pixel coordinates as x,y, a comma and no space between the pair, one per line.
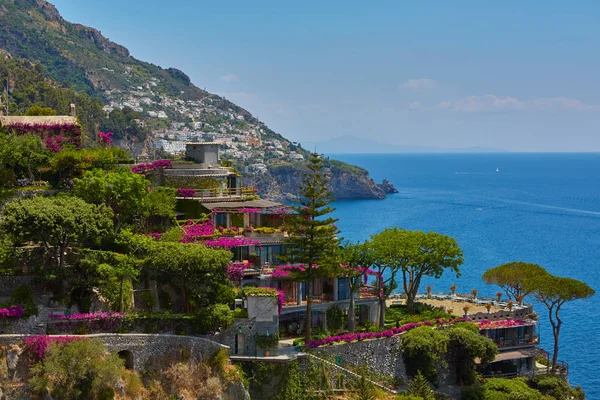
387,187
283,183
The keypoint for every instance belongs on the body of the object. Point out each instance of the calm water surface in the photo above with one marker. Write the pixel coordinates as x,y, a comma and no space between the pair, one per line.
539,208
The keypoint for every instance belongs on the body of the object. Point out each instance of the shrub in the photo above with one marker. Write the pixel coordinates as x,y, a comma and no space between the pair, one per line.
335,318
424,350
465,345
81,369
266,342
24,296
215,317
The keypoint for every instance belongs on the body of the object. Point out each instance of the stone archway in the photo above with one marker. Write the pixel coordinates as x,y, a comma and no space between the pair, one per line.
127,356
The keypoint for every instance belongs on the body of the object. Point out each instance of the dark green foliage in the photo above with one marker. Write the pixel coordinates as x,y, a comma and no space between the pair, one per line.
464,346
266,342
123,124
24,296
313,238
37,110
364,390
418,386
335,318
424,350
421,312
501,389
23,155
81,369
56,222
556,387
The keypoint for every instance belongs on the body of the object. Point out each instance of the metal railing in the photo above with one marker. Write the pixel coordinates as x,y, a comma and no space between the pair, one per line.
223,193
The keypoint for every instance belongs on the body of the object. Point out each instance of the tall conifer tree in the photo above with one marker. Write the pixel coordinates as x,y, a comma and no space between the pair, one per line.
313,238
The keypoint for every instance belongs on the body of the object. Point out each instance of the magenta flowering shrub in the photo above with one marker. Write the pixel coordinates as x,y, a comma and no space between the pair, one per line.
105,138
12,312
97,315
183,192
235,271
284,271
158,164
66,132
507,323
154,235
230,242
38,345
249,210
194,230
360,336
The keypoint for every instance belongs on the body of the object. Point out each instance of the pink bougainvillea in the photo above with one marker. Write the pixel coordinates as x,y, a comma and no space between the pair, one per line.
12,312
195,230
235,271
68,133
249,210
97,315
158,164
105,137
507,323
229,242
38,345
360,336
154,235
183,192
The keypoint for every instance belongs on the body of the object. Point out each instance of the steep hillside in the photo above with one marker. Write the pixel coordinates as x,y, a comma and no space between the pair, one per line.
163,102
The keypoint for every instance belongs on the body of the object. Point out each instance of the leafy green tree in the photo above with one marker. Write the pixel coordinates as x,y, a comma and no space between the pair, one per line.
24,154
313,238
415,254
81,369
464,346
352,261
512,276
68,164
123,191
507,389
159,203
418,386
200,270
554,292
56,222
38,110
424,349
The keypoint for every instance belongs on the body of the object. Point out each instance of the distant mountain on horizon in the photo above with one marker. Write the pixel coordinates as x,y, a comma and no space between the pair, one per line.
351,144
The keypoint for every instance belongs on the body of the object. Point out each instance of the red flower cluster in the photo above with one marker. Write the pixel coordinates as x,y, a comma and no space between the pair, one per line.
195,230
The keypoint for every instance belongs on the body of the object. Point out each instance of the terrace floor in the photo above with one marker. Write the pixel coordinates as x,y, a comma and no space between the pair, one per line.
451,306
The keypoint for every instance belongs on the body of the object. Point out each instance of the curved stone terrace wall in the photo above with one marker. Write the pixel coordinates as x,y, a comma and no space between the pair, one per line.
140,349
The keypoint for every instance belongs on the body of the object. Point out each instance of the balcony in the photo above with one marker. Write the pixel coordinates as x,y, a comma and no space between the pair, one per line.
228,194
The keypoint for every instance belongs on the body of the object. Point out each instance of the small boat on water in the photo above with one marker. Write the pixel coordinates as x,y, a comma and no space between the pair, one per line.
497,169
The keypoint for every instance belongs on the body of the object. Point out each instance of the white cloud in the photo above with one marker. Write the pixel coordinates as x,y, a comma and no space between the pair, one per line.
415,106
229,78
419,84
490,102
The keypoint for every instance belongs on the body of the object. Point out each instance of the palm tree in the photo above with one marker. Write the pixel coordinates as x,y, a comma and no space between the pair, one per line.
474,293
499,296
453,289
429,288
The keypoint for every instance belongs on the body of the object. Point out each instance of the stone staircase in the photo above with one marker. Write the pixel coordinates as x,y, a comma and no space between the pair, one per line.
349,373
41,322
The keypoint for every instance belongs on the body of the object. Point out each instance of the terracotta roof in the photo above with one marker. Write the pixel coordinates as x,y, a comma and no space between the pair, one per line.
41,120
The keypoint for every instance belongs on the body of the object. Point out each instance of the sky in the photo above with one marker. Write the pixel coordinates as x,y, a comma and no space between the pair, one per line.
513,75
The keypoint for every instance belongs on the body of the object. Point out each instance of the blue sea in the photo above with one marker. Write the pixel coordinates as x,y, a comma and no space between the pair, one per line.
539,208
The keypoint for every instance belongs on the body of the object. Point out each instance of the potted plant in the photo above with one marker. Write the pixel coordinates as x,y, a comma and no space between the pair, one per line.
519,299
510,305
453,289
499,296
488,306
254,259
474,293
429,288
267,342
466,310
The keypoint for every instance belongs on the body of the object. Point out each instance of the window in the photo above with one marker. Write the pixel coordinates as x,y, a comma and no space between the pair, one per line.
343,289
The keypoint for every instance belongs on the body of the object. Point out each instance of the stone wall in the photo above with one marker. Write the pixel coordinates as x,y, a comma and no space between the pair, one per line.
243,332
142,348
383,356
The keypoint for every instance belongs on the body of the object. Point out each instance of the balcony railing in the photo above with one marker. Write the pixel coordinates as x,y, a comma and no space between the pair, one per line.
231,193
517,342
